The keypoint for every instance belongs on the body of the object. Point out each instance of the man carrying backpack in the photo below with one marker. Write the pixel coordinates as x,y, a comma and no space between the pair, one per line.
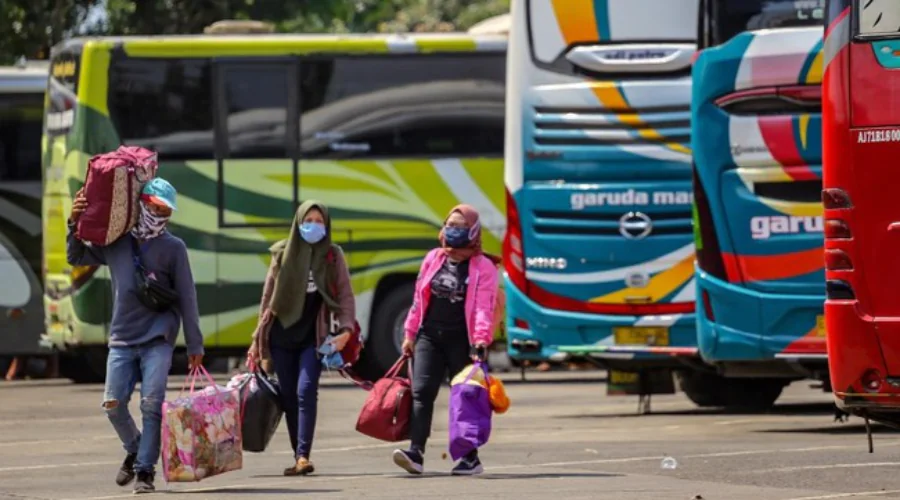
153,292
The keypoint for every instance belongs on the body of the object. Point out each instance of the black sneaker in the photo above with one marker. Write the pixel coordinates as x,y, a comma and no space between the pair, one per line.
410,460
144,483
126,472
468,467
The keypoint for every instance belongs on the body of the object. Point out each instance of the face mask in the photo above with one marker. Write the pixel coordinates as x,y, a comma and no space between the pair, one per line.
312,232
456,237
331,358
149,225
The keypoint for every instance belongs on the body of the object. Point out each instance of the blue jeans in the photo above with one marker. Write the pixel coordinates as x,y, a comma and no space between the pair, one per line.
150,364
298,372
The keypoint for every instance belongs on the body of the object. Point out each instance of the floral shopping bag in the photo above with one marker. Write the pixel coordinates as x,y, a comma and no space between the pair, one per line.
201,433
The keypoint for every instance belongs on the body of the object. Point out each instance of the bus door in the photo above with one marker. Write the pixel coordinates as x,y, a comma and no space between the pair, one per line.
875,134
257,147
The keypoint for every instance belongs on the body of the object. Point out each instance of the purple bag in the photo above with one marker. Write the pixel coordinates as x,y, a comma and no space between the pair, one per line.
470,414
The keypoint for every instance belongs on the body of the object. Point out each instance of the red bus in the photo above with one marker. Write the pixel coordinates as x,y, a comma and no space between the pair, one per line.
861,137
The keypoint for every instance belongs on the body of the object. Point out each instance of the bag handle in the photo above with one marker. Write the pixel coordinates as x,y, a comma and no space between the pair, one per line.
350,375
398,365
192,377
475,367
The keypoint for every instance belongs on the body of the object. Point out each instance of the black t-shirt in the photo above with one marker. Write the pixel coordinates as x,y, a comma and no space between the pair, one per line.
447,308
298,334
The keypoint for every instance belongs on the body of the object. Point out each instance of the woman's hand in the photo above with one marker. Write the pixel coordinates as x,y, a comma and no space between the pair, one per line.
408,346
480,352
341,340
252,355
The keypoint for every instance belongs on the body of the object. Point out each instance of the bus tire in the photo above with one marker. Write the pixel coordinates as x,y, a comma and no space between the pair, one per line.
390,312
754,394
86,365
706,390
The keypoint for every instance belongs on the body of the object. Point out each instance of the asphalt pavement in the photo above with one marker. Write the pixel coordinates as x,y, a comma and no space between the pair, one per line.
562,438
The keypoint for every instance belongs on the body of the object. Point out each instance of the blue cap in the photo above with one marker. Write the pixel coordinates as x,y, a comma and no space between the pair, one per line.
159,191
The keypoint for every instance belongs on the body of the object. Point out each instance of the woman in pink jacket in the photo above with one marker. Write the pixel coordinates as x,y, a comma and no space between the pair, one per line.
449,324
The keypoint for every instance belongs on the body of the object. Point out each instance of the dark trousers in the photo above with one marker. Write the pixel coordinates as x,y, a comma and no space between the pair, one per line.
437,355
298,372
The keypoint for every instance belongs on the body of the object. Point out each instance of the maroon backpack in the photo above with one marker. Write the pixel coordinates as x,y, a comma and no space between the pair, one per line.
113,187
387,410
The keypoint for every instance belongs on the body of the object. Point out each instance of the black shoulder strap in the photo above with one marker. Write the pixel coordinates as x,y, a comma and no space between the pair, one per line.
136,253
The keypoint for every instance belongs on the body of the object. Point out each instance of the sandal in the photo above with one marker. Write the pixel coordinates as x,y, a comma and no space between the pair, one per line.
301,468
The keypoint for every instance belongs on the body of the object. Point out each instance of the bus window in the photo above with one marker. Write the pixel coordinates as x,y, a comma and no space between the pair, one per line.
879,18
733,17
418,106
164,105
257,99
21,118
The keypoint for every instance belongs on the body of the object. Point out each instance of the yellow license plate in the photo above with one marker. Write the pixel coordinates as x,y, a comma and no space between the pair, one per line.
641,335
820,326
617,377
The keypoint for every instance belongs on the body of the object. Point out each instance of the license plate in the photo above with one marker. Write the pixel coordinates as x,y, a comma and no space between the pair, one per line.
641,335
820,326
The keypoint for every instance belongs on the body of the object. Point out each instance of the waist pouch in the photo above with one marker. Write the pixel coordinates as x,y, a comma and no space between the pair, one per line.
151,293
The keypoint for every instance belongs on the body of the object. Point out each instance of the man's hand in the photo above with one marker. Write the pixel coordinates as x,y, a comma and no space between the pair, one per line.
408,346
340,341
195,361
78,206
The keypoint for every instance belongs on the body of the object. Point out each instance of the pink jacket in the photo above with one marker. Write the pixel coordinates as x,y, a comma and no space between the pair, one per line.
480,297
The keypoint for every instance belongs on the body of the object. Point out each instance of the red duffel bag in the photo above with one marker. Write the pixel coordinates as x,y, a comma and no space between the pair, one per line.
113,187
386,413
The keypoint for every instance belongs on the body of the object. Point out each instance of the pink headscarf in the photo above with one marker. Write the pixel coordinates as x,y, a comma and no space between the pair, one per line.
473,221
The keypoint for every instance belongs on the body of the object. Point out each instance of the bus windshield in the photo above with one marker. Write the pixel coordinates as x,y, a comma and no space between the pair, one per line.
582,22
732,17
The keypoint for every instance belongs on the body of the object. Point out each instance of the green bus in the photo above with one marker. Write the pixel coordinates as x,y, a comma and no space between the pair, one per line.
390,131
22,90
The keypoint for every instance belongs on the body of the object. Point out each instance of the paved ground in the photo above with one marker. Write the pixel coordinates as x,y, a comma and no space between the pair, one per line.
562,438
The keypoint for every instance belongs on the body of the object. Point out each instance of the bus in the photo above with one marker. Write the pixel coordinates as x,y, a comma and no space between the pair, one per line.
860,124
599,249
22,89
390,131
757,143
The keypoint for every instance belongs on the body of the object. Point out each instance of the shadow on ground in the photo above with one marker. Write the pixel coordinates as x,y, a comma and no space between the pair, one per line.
824,409
252,490
836,429
490,476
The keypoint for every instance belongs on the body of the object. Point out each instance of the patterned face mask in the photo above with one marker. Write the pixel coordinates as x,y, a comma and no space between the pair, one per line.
149,225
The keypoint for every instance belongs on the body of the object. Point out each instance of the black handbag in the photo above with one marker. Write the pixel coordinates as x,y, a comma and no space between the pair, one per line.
153,294
262,411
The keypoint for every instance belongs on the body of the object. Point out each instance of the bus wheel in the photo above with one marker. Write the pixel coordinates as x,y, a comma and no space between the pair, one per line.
754,394
386,335
704,389
86,365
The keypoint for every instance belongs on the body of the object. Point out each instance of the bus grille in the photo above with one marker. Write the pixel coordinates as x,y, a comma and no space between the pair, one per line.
652,126
549,222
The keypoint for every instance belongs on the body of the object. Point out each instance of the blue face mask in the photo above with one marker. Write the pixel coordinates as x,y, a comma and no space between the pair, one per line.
312,232
331,359
456,237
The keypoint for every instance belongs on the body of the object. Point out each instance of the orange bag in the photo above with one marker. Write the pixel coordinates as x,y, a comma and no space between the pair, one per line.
499,400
